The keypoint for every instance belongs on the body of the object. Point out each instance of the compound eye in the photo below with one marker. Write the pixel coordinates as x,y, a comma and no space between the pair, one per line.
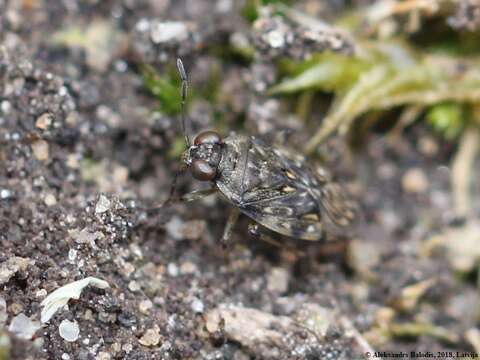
202,171
208,137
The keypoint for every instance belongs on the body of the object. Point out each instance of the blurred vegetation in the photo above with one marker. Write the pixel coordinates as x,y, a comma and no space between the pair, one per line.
251,9
165,87
407,56
385,76
393,67
398,62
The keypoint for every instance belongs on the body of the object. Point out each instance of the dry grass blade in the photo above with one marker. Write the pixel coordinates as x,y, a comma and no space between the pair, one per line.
462,170
431,81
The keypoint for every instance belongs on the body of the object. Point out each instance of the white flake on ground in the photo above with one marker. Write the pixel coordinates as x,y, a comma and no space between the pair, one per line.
69,330
197,305
23,326
60,297
103,205
168,31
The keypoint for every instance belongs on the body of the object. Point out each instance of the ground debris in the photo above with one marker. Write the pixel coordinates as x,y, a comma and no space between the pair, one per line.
103,205
278,337
151,337
462,244
61,296
69,330
239,322
13,265
297,36
24,327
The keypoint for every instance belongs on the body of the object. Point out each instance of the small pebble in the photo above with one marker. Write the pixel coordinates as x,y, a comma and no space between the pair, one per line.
145,306
428,146
168,31
86,236
151,337
103,356
5,194
275,39
127,348
133,286
69,330
172,269
16,308
41,293
316,318
88,315
50,200
65,356
40,150
72,255
103,205
415,181
197,305
10,267
363,256
175,228
72,161
277,280
188,268
116,347
5,106
23,326
44,121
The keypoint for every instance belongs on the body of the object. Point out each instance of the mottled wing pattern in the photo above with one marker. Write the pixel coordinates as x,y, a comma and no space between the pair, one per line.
282,193
337,209
283,215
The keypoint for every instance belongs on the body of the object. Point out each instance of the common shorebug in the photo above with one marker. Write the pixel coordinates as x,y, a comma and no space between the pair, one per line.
272,185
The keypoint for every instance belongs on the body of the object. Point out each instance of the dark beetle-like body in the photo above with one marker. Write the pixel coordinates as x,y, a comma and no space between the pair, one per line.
273,186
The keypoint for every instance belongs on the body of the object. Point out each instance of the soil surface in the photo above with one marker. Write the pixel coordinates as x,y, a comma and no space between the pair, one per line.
85,156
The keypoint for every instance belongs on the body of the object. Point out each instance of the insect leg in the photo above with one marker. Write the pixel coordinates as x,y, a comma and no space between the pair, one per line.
173,187
197,195
227,232
192,196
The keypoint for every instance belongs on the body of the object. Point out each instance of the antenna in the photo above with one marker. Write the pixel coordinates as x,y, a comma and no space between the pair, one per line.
184,91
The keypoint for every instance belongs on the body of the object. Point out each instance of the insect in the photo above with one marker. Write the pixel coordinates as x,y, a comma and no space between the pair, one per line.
273,186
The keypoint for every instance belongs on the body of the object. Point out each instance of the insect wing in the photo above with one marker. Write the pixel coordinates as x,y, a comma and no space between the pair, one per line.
280,215
302,204
338,211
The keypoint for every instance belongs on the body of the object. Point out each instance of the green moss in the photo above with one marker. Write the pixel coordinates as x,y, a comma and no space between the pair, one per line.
165,88
177,148
384,75
327,72
447,118
251,9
